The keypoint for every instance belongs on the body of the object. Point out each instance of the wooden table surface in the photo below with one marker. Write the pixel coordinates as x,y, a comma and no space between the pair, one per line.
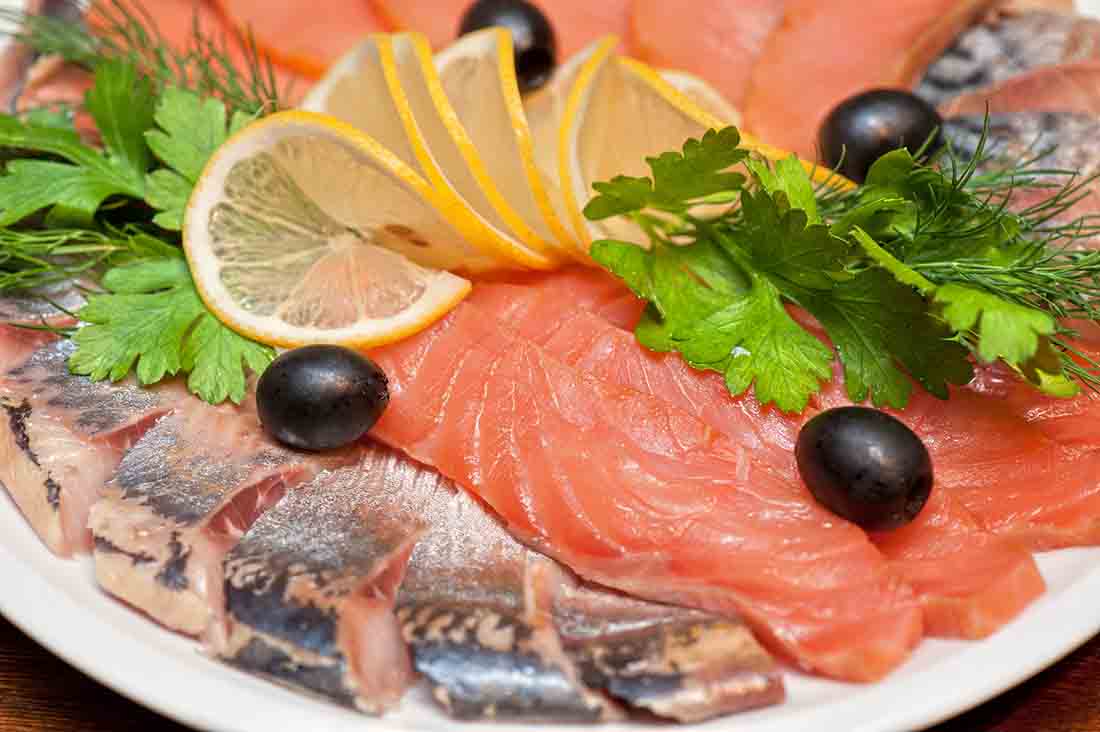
40,693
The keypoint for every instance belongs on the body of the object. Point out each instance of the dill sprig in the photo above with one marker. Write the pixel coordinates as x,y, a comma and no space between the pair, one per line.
207,64
34,258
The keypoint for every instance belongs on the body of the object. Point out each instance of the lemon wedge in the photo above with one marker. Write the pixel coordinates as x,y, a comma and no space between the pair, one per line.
703,94
302,229
379,88
477,97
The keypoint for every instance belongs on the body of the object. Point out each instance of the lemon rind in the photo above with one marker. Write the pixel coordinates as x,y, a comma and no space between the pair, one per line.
271,330
477,231
469,151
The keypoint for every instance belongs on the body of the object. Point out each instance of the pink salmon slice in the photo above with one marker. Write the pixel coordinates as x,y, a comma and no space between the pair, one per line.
585,341
635,494
180,500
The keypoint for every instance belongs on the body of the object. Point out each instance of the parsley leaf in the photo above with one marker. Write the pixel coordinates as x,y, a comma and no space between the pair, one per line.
189,130
679,181
153,322
121,104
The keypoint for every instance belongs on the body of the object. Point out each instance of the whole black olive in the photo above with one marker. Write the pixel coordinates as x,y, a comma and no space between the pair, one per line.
863,128
536,48
321,397
866,466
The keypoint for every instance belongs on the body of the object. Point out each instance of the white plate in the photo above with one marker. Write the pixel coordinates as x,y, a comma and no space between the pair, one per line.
57,603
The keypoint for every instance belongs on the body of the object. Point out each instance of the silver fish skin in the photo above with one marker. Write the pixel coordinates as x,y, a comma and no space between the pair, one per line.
1056,140
310,588
43,306
181,498
63,435
1007,44
477,607
676,663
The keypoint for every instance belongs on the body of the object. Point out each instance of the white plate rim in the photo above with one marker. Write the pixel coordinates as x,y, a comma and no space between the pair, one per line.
43,609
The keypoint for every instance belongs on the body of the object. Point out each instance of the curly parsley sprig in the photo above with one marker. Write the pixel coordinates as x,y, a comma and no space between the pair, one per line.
111,215
911,276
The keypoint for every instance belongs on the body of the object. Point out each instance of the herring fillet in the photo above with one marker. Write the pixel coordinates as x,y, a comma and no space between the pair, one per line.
969,582
311,590
63,435
180,499
635,494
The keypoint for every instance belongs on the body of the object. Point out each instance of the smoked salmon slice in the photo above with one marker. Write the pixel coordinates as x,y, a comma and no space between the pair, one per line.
718,40
576,22
297,34
956,603
635,494
799,77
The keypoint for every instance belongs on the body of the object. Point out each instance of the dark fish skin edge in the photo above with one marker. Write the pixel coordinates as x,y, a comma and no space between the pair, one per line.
488,664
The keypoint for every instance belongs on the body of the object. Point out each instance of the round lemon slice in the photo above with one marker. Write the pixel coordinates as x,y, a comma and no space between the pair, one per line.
473,85
302,229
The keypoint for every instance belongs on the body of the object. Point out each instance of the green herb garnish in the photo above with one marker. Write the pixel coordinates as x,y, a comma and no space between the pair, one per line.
910,276
111,215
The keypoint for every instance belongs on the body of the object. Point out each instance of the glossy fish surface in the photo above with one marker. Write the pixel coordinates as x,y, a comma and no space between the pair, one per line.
63,435
180,499
1004,45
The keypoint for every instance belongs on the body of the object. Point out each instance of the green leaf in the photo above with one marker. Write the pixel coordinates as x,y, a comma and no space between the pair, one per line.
779,242
790,178
877,324
121,102
168,192
189,130
78,186
1005,329
629,262
680,179
32,185
754,342
217,357
153,322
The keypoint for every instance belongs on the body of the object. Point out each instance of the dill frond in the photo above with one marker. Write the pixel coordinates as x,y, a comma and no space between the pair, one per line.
230,68
32,258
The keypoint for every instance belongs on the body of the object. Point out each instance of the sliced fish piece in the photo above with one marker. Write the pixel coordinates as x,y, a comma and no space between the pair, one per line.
1006,44
676,663
310,587
64,435
45,306
1059,140
475,608
180,500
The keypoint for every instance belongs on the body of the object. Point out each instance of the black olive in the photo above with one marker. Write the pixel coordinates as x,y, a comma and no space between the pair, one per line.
863,128
532,36
866,466
321,397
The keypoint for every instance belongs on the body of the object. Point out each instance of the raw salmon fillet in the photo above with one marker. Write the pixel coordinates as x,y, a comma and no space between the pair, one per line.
718,40
575,22
581,339
801,75
640,496
297,34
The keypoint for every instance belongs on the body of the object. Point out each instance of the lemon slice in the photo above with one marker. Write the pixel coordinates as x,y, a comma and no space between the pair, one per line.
378,88
545,110
439,154
478,99
302,229
703,94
